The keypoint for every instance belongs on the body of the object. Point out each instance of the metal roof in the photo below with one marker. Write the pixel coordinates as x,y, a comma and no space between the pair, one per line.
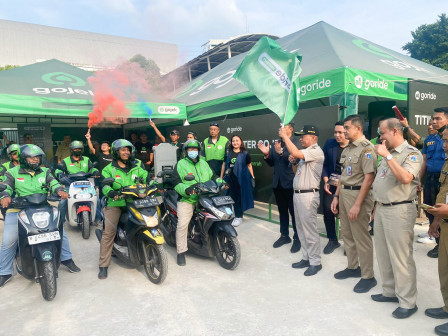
25,43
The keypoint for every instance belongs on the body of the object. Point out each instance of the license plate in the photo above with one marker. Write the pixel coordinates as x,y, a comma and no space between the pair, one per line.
222,200
145,203
44,237
81,185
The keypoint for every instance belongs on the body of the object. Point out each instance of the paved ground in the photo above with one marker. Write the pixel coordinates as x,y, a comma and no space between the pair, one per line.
263,296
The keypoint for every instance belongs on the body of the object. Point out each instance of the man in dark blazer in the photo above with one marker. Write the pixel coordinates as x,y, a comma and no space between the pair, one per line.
277,156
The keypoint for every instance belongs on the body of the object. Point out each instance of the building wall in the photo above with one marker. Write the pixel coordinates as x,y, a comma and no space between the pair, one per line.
25,43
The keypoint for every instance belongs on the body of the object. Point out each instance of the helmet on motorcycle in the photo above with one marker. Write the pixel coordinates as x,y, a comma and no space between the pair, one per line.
120,143
30,151
13,148
76,148
192,143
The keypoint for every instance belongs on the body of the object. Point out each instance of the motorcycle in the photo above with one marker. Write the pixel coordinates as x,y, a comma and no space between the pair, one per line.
82,201
210,232
138,240
40,240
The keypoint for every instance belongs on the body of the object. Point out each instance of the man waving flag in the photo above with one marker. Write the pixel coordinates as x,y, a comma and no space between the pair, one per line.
272,75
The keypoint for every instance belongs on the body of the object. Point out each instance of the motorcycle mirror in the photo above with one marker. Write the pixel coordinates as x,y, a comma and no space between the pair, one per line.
189,177
160,174
2,187
95,164
108,181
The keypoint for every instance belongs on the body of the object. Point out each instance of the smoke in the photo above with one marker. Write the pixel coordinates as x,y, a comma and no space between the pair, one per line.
112,89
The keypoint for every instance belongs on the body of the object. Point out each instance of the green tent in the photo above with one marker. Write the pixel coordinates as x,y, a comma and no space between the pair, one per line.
54,88
334,63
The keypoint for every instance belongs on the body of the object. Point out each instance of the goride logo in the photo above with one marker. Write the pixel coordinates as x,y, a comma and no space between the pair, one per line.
275,70
425,96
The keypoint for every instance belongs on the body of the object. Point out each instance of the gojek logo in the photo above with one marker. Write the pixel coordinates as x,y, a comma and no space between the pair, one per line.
358,81
367,84
168,110
58,78
371,48
425,95
275,70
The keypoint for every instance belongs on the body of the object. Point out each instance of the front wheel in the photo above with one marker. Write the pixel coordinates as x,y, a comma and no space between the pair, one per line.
47,280
85,224
156,262
227,250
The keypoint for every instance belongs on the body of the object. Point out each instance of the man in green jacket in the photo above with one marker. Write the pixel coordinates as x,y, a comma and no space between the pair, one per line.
125,170
215,148
76,162
13,156
24,180
192,164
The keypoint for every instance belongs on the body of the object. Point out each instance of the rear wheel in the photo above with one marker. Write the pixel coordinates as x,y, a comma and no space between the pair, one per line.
47,281
227,250
85,224
156,263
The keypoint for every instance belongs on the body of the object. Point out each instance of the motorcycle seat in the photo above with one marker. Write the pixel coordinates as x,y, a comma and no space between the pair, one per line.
172,196
124,217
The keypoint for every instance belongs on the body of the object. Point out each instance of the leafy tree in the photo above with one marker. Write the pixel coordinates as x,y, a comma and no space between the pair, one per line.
7,67
430,43
151,70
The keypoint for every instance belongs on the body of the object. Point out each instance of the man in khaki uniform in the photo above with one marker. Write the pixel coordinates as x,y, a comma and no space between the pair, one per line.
355,202
395,192
440,213
306,194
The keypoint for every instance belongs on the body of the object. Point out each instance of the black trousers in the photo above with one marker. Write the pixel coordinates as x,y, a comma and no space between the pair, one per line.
285,203
430,191
329,219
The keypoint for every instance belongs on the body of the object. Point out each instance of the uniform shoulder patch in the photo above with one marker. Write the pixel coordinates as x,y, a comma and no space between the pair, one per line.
366,143
413,157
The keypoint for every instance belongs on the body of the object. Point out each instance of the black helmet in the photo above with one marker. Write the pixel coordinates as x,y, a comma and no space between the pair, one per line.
30,151
76,145
13,148
193,143
120,143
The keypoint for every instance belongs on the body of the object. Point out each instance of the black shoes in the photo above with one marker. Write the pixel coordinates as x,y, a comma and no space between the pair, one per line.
70,264
4,279
442,330
295,246
281,241
364,285
312,270
181,259
103,273
331,246
402,313
348,273
382,298
437,313
301,264
434,253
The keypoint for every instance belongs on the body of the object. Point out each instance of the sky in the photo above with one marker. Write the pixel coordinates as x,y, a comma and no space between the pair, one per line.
191,23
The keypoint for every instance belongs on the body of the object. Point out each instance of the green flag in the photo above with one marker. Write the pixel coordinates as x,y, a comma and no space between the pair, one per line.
272,75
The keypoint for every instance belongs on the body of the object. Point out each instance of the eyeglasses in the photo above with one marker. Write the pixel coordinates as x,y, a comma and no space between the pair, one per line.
13,153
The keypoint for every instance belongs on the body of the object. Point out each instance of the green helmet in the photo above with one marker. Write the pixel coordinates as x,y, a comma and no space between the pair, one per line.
78,146
192,143
120,143
30,151
13,148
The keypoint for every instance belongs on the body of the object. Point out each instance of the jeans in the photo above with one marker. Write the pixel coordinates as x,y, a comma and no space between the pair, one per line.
10,240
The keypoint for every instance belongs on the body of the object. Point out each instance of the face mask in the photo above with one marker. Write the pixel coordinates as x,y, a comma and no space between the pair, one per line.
193,154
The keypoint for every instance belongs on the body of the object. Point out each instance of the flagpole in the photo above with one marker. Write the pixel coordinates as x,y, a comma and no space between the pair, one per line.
286,110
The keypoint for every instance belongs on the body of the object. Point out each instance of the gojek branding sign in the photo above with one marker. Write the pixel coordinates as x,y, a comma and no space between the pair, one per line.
377,85
67,85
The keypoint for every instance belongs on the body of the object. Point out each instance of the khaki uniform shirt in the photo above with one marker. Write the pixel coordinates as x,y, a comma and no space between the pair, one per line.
309,169
357,159
63,151
442,195
386,187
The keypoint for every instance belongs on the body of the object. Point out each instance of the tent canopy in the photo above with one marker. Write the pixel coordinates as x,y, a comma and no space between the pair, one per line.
54,88
333,62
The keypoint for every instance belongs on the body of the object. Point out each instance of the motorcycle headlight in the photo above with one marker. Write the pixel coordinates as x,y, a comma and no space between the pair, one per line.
41,219
24,217
218,213
83,196
151,221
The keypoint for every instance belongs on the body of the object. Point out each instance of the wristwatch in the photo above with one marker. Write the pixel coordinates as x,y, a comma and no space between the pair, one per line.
389,157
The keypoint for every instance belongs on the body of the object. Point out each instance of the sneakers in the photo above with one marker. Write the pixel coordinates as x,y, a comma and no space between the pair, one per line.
237,221
331,246
103,273
295,246
348,273
426,240
4,279
281,241
423,235
434,253
70,264
364,285
181,259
